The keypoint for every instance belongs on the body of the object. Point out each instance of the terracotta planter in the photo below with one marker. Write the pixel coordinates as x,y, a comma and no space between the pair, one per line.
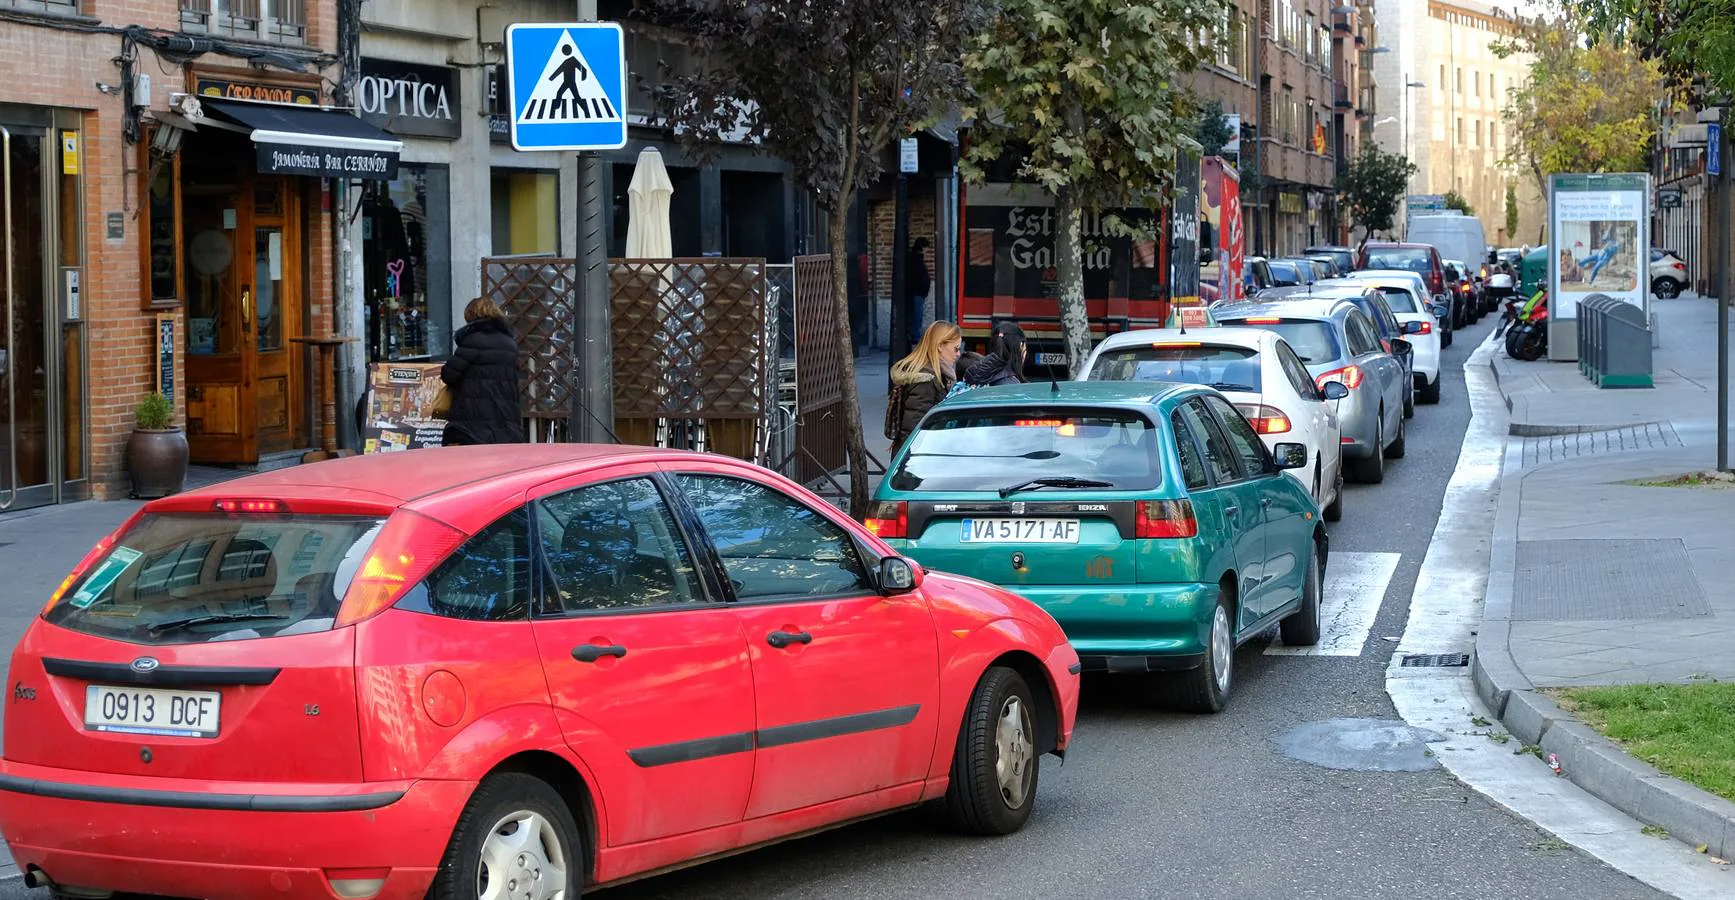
157,462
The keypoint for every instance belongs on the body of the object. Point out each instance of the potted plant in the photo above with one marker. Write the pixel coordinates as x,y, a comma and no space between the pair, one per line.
157,450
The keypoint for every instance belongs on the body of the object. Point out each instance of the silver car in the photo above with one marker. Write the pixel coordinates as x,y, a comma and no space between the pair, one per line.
1337,342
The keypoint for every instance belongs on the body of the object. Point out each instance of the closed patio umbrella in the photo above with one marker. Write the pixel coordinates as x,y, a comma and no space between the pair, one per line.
648,208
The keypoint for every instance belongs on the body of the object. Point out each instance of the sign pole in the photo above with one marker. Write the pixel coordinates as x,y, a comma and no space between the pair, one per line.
1725,292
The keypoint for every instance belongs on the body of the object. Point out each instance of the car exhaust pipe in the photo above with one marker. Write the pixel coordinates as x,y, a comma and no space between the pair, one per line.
36,878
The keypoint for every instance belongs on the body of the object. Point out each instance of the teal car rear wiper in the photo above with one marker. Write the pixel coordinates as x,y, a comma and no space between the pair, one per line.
1231,386
1057,481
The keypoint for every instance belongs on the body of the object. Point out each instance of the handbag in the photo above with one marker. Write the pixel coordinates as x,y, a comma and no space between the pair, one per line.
442,405
894,412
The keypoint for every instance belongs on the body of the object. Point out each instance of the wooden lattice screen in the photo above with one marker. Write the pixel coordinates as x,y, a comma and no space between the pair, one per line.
540,297
819,426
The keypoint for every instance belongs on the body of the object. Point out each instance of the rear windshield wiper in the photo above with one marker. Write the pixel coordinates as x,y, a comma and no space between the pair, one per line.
1230,386
1059,482
225,619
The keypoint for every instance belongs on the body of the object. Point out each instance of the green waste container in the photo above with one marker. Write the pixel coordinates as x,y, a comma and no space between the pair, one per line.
1533,272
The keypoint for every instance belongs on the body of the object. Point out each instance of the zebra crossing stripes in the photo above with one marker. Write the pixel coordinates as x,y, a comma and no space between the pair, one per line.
1355,586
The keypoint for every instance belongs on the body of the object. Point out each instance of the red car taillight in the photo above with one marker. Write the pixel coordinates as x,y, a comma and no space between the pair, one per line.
889,520
1436,282
1349,376
1165,519
407,549
90,559
1680,266
1265,419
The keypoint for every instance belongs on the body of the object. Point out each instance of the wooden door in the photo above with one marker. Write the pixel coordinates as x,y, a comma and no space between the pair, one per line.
212,221
243,305
275,312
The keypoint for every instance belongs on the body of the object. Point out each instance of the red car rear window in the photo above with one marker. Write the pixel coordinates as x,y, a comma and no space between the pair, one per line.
181,579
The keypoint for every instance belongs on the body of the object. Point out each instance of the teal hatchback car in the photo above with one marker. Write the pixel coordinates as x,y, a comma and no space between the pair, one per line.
1149,519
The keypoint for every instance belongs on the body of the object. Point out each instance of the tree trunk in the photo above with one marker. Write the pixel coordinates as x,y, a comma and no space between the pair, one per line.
1069,275
836,232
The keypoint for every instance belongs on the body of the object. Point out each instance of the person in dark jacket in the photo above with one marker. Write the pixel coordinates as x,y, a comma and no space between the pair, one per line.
922,379
483,377
919,280
1004,363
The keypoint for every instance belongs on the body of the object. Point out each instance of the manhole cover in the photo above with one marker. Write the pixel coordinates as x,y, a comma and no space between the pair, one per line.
1364,745
1436,660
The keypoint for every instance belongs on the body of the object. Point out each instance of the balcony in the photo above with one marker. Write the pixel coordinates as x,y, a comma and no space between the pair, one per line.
273,21
1340,97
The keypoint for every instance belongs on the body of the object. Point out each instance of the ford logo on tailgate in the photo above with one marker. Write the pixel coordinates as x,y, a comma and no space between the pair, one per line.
145,664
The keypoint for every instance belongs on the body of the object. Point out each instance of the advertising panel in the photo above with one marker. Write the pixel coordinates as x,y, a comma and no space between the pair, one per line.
1184,231
1222,233
1599,230
400,396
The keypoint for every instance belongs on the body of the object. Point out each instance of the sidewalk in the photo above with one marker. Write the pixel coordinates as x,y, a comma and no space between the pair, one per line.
1598,578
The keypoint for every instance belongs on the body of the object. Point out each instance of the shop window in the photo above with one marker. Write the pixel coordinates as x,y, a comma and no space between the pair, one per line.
279,21
406,253
526,211
161,225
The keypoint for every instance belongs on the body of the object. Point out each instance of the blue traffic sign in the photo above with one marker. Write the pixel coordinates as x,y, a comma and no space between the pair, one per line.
1714,149
567,86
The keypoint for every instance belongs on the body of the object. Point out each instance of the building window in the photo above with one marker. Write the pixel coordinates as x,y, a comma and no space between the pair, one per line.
1312,40
1325,43
407,265
1476,82
1478,132
1442,76
61,7
526,211
162,228
278,21
1458,80
1460,129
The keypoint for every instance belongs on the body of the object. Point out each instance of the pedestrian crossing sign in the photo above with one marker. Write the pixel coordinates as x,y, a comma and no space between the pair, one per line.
567,85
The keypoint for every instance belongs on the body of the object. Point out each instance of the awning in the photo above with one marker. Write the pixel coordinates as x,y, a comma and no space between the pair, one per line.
311,140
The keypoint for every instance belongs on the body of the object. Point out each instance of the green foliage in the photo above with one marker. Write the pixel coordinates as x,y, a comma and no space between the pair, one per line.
1212,129
1584,108
154,412
1511,210
1373,187
1692,41
1088,93
1455,200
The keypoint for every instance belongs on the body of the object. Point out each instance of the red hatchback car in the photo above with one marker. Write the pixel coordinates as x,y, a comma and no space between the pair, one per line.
504,671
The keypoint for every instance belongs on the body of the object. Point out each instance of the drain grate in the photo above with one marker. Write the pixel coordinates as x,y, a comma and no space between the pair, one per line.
1436,660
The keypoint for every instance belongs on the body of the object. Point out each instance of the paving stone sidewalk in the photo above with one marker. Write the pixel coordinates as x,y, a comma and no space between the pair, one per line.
1599,574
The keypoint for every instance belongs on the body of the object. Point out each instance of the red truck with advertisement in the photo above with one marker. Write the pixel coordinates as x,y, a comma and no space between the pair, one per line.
1006,254
1222,243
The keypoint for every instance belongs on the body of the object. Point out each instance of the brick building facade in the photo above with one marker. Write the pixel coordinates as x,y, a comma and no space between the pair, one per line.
141,169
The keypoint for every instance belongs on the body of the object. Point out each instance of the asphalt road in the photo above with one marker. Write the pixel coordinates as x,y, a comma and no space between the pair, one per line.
1156,804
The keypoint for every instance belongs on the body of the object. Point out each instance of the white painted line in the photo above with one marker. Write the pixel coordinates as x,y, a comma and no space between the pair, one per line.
1445,611
1355,586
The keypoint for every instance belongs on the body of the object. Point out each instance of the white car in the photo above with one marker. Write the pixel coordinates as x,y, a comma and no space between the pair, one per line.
1259,372
1406,294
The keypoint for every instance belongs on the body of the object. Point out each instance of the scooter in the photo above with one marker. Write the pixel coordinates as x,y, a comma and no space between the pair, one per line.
1528,339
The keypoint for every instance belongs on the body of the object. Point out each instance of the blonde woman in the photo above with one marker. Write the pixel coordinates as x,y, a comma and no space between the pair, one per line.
921,380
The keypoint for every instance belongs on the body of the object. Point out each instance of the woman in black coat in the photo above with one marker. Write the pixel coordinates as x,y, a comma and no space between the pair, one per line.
483,377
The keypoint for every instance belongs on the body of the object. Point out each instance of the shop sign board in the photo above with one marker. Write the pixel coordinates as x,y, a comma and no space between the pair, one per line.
409,100
399,398
233,89
326,162
566,83
1599,230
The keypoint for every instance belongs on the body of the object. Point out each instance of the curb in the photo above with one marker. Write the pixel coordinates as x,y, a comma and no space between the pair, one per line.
1592,761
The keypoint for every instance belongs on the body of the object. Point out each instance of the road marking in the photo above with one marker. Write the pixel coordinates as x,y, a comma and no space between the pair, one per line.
1355,586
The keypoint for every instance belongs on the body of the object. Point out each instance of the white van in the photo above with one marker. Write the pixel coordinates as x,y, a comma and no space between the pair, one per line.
1456,237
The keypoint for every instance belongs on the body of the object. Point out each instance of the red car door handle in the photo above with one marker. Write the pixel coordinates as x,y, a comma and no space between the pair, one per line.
781,639
594,652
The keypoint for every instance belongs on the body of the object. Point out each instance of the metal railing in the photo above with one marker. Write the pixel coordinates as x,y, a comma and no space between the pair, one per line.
275,21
